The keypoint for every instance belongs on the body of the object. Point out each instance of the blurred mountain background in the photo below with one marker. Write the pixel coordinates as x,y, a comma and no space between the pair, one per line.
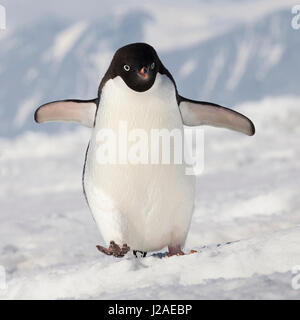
227,52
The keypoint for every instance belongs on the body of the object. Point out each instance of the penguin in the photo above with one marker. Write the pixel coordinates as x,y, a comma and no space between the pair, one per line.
144,207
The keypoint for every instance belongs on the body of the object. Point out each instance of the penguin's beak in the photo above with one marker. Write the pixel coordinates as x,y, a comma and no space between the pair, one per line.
144,73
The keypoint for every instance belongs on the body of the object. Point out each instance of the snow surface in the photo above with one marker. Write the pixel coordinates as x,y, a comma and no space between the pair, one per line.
66,39
246,225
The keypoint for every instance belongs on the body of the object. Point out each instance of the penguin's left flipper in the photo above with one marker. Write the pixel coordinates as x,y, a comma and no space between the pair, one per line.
81,111
197,113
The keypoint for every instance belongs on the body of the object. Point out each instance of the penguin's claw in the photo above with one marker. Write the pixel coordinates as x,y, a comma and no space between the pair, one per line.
114,250
142,254
179,253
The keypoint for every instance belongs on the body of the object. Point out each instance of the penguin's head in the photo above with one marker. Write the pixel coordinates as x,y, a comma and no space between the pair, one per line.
137,64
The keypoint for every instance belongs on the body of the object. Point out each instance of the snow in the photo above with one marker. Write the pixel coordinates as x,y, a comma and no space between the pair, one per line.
243,55
229,11
25,110
214,72
188,67
103,278
205,20
2,18
246,225
65,40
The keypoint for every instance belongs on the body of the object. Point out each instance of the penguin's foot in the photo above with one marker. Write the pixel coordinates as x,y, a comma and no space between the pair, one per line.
114,250
176,251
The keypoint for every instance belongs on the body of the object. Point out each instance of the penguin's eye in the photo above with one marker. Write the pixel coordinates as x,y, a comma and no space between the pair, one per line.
126,67
152,65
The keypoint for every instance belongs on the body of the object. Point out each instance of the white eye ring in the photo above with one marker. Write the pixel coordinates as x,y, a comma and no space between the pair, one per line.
126,67
152,65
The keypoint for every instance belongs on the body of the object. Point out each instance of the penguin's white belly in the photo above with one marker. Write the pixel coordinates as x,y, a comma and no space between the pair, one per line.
148,206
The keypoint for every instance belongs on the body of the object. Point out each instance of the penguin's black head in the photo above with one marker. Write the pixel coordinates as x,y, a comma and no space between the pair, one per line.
137,64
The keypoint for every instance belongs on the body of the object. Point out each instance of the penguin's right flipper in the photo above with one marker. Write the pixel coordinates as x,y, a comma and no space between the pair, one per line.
81,111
